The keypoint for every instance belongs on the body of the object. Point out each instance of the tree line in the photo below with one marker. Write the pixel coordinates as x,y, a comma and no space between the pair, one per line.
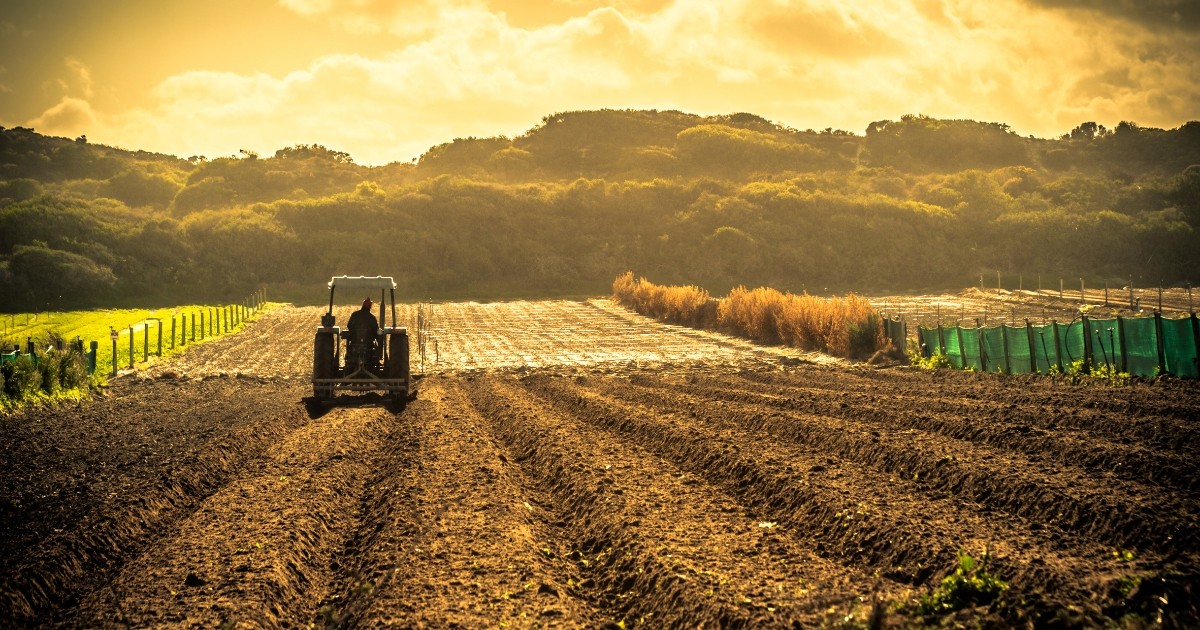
719,202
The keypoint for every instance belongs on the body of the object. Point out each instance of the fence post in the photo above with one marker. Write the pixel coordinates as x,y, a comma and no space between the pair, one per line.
1033,349
193,321
982,347
1121,342
1087,344
1082,299
145,341
1057,349
962,350
1195,338
1158,342
114,353
1004,342
172,331
159,353
92,355
131,347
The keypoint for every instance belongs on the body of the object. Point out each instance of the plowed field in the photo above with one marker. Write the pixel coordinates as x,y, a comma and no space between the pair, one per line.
568,464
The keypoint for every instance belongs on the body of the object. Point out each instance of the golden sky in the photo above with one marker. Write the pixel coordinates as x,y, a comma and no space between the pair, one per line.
384,80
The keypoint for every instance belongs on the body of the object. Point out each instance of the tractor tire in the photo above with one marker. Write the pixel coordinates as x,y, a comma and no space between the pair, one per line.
397,363
323,365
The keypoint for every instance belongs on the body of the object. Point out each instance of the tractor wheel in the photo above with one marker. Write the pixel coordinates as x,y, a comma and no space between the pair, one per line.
397,365
323,360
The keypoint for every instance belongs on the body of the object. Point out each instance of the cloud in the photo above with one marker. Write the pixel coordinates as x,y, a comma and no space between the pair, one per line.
1182,14
70,117
462,68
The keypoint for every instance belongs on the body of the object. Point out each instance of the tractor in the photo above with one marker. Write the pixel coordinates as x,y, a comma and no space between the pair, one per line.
369,354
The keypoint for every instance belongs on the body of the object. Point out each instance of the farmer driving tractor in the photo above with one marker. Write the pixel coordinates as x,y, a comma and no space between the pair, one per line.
362,339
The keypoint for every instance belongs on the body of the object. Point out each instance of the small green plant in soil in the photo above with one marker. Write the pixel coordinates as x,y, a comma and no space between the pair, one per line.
970,584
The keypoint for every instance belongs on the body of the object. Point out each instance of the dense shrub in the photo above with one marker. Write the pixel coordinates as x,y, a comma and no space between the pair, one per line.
22,379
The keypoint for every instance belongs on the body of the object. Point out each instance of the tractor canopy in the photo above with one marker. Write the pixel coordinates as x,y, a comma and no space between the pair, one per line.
362,282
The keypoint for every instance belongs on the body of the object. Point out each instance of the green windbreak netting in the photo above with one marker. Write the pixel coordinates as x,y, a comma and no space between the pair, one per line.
993,349
929,341
1179,347
1141,346
953,352
1044,350
1025,349
1070,343
1017,339
896,332
1106,344
970,348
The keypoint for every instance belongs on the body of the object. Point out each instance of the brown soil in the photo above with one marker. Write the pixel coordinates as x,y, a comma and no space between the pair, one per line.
568,464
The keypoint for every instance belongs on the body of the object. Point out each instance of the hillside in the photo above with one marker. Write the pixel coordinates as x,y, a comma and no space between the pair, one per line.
584,196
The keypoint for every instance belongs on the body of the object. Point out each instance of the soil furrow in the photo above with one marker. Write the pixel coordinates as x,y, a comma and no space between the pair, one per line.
1158,417
472,553
1122,514
890,524
133,507
636,521
258,551
1004,427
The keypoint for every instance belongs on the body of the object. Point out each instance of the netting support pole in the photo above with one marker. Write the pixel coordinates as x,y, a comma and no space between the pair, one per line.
1057,349
1087,343
1195,336
982,347
1121,343
1158,341
1033,367
1004,342
962,350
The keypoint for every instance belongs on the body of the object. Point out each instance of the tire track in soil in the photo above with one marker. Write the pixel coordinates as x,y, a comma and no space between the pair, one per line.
843,510
452,538
655,543
1120,514
258,552
125,510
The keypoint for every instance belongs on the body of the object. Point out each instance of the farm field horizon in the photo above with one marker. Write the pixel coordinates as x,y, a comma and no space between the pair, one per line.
569,463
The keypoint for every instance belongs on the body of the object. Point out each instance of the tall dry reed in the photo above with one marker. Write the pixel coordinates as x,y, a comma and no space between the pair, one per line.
841,326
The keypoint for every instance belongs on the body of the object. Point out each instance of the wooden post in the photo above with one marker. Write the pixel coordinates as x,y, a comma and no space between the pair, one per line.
160,327
1195,337
982,347
172,331
1122,344
114,354
1060,288
1032,349
145,341
1004,342
1057,348
131,347
1158,342
1087,343
1082,299
1106,292
962,350
1160,296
